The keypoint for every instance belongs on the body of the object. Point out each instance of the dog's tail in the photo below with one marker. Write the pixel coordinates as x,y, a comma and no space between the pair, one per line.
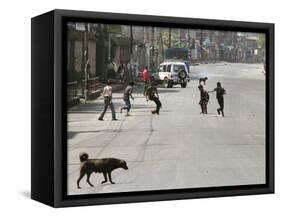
83,156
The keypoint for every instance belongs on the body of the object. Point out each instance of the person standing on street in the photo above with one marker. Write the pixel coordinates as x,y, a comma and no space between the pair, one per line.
204,99
126,97
145,77
152,94
111,69
121,72
136,69
107,94
220,91
129,71
203,80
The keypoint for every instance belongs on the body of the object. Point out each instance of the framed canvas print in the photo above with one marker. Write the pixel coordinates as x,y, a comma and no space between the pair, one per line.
134,108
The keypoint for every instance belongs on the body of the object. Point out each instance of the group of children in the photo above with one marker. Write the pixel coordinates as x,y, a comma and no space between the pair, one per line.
204,96
151,93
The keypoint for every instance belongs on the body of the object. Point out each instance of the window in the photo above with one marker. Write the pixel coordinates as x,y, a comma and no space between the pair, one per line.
160,68
169,68
164,68
178,68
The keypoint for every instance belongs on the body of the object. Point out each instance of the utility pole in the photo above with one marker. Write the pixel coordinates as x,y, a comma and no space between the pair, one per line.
170,37
188,35
143,62
132,40
101,58
131,51
152,50
161,44
201,45
86,61
109,45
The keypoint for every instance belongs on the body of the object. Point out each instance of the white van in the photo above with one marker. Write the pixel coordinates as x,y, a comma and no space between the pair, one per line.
172,73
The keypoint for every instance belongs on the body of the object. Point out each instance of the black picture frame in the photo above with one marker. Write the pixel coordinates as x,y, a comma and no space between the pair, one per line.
49,106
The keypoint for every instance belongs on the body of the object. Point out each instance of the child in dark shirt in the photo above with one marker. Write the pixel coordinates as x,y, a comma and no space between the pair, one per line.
152,94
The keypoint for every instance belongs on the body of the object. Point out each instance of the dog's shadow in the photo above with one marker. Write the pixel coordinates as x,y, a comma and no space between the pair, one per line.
96,186
116,183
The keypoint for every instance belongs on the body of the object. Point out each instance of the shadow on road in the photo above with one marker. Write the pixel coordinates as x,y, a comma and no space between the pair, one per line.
116,183
142,106
167,91
71,134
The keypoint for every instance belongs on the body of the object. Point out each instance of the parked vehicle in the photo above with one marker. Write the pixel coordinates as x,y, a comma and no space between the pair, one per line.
172,72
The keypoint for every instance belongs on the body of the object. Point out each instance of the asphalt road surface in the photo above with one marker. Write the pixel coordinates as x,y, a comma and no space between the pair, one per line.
180,148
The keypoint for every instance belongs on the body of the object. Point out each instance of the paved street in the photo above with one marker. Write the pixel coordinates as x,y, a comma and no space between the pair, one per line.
180,148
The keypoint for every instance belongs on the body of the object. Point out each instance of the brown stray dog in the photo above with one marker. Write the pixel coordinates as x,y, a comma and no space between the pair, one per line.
105,166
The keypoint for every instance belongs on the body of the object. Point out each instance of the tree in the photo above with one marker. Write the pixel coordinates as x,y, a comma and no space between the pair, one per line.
161,43
170,37
261,41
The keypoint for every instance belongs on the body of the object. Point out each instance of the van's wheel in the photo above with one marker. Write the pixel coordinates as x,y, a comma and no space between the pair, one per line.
183,85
